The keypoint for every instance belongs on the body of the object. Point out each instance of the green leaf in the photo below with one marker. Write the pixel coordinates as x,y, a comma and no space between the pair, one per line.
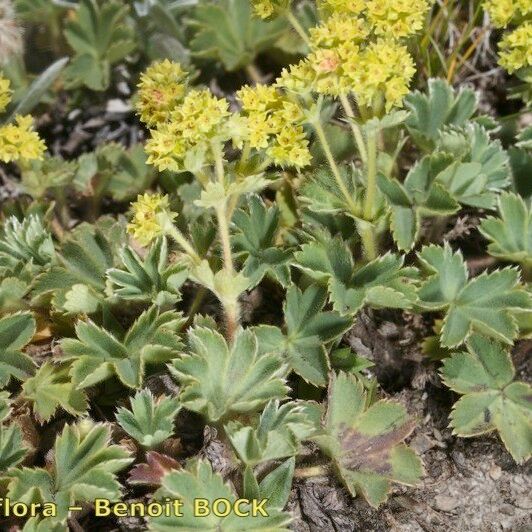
322,194
510,234
365,443
226,286
97,354
220,381
490,400
227,31
84,467
481,167
5,406
12,447
255,241
524,139
486,304
130,174
151,279
16,330
49,175
382,283
149,421
83,259
26,242
198,481
276,485
38,88
420,195
51,388
442,106
278,433
100,36
308,330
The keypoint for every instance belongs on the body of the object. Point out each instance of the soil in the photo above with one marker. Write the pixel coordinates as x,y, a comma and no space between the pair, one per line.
469,485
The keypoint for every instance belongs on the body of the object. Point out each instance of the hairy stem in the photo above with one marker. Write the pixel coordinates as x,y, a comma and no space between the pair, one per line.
231,308
254,74
369,242
183,243
298,27
332,163
371,184
357,133
367,234
196,304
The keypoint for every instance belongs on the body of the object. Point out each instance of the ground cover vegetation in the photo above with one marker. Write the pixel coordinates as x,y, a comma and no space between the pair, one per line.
239,239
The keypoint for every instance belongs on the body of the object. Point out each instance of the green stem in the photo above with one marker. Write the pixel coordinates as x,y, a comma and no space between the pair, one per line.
367,234
254,74
298,27
357,133
371,184
183,243
369,242
231,308
196,304
332,163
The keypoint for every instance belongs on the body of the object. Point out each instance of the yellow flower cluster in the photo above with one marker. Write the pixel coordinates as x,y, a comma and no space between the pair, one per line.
18,141
190,126
357,49
267,8
338,30
501,12
150,212
516,48
396,18
346,7
384,68
161,88
5,93
344,58
274,124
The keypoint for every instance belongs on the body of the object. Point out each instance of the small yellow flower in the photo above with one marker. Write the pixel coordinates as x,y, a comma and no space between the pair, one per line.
516,48
501,12
383,68
18,142
151,213
161,89
333,68
298,78
192,125
346,7
338,29
397,18
290,148
5,93
267,8
274,124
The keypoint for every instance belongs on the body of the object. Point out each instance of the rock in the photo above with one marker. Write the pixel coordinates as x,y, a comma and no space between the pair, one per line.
116,105
495,472
445,503
507,509
422,443
525,502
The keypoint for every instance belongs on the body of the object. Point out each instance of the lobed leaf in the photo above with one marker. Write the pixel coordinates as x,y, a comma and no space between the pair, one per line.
490,399
220,381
